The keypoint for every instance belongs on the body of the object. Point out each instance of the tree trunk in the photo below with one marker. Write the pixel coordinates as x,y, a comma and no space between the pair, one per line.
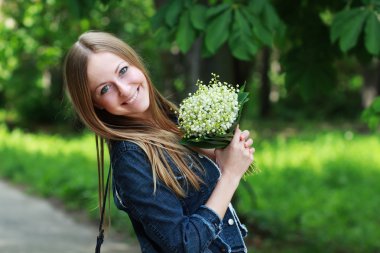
265,83
370,88
193,66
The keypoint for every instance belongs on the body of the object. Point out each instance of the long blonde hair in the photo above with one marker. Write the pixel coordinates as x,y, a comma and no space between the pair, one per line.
155,138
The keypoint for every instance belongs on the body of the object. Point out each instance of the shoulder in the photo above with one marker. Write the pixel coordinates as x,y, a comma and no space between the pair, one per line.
123,146
130,164
127,153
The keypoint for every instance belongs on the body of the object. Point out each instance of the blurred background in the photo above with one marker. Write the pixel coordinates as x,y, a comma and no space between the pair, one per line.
313,72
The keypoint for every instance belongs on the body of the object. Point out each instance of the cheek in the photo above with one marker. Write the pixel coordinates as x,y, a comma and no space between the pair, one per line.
108,102
138,75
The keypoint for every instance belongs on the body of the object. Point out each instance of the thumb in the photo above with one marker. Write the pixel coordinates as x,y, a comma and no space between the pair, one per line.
236,134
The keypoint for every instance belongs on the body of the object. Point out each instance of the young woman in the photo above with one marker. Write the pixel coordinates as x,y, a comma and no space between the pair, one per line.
177,198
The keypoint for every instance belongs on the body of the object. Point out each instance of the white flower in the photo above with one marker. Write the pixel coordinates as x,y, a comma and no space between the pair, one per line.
211,109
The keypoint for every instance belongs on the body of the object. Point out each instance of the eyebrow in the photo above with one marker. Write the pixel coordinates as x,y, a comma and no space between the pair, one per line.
118,66
100,84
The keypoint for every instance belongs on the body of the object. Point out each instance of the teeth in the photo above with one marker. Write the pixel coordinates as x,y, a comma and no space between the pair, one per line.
134,97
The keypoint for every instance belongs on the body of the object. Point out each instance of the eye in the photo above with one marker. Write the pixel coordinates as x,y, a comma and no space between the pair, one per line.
123,70
104,89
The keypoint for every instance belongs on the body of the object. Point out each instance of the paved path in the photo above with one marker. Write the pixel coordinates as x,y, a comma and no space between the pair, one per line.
32,225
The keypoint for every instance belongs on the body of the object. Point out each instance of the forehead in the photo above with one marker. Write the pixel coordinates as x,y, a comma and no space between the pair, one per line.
101,66
102,61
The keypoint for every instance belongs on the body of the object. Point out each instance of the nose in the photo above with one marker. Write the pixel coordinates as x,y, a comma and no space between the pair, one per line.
123,88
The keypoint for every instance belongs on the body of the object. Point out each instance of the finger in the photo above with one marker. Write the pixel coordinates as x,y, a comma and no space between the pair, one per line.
244,135
248,143
252,150
236,134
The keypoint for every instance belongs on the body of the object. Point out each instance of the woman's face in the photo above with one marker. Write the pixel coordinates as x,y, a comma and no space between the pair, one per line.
117,86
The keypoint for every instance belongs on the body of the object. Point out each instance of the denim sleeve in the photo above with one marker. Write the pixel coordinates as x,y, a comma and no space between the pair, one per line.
161,213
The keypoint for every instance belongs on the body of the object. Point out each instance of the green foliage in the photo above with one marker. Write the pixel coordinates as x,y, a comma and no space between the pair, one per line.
245,26
57,167
217,32
309,73
317,190
307,56
185,34
371,115
35,35
349,23
316,193
347,26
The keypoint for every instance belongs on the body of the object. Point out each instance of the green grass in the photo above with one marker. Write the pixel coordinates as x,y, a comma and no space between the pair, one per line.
317,190
63,168
315,193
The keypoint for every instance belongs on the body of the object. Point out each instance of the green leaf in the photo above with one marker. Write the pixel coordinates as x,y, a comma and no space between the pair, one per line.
257,6
243,23
205,53
206,143
371,115
241,41
198,16
173,11
242,98
339,22
203,144
271,19
348,26
372,34
263,34
376,105
186,34
217,10
217,31
352,30
159,18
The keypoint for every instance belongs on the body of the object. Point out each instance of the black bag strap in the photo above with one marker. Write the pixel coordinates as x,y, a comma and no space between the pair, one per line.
100,238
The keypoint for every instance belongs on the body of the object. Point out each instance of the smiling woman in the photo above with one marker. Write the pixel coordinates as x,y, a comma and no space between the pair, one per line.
177,198
117,86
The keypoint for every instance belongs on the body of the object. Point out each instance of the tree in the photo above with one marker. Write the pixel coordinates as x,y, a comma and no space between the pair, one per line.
300,31
34,37
357,30
227,34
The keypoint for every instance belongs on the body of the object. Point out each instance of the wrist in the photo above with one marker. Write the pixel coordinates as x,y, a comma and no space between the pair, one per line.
230,179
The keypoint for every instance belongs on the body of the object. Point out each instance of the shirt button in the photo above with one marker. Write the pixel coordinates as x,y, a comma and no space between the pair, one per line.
231,222
200,156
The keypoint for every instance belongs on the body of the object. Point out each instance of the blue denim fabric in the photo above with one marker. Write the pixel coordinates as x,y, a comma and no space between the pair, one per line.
162,221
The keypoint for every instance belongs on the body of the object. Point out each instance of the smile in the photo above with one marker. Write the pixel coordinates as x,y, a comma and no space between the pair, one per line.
134,96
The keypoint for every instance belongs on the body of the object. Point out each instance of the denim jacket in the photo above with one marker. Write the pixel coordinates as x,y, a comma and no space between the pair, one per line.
162,221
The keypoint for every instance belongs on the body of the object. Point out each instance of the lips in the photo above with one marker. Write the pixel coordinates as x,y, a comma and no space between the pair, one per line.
133,98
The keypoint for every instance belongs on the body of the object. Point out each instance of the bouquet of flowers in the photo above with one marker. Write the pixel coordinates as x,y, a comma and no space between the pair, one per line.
209,117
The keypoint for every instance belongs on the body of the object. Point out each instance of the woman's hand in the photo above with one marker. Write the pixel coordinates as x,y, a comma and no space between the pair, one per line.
235,159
